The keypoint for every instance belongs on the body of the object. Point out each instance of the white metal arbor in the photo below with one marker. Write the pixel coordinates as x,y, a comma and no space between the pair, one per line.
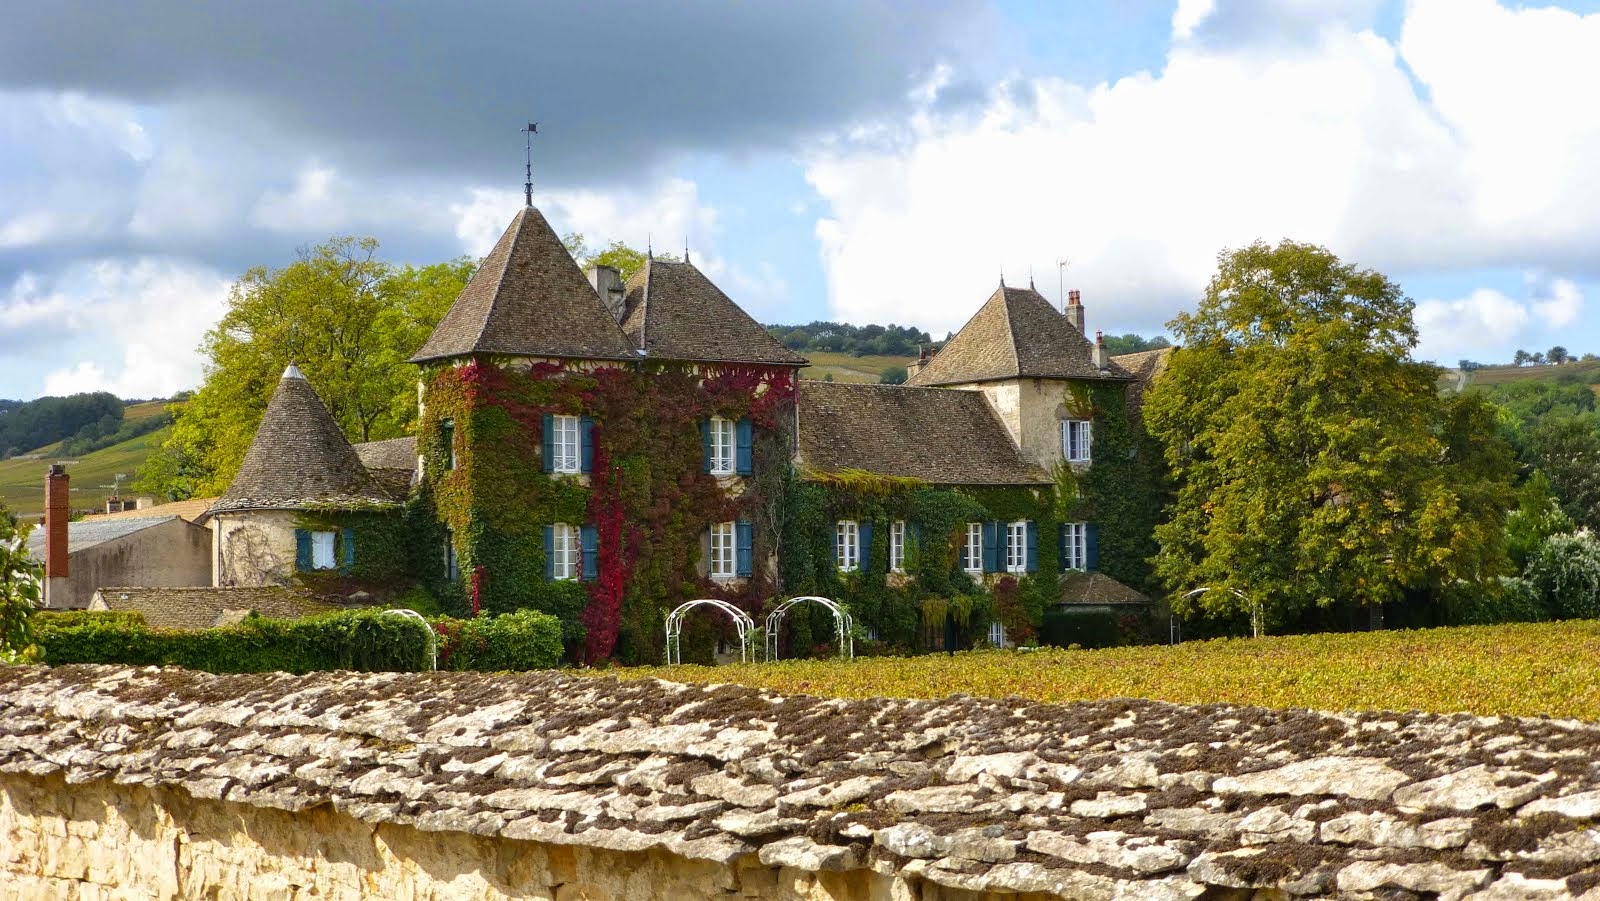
1255,606
741,621
843,626
433,638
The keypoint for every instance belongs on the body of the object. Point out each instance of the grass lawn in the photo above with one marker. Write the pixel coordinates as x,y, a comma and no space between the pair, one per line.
1521,670
22,479
846,368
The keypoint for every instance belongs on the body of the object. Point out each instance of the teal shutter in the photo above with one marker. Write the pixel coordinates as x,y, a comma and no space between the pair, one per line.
1091,547
991,547
586,444
302,550
744,557
865,537
549,443
1032,557
589,537
705,445
549,553
1061,547
744,434
349,561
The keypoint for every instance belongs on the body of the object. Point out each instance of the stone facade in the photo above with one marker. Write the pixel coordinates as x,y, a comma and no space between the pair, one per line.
120,783
1032,411
254,547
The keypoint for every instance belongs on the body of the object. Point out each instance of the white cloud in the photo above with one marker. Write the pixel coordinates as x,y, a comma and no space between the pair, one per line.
1188,16
1560,305
1489,320
1411,156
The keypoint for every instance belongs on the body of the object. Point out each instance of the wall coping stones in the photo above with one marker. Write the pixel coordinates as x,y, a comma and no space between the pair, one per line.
1105,799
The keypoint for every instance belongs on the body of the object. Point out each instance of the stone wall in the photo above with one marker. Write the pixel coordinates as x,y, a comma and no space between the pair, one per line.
173,554
121,783
254,547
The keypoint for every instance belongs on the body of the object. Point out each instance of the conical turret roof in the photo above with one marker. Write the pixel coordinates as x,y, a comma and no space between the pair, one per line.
300,459
528,299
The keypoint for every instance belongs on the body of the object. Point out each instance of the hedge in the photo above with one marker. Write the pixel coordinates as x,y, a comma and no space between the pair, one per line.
1095,627
524,640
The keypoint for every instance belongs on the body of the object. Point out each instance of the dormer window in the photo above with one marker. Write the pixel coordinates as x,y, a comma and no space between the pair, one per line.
1076,436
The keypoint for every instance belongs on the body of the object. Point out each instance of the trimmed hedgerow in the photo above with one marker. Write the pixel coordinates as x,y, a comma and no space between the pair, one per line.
524,640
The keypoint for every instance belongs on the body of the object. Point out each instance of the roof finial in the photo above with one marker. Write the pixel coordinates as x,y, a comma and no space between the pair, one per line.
1030,278
1002,275
292,372
649,246
527,186
686,247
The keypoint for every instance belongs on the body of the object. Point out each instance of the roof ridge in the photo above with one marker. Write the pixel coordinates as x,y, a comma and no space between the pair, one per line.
516,235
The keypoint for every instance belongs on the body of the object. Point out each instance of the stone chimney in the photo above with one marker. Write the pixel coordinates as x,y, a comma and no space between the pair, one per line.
922,360
1074,310
607,282
57,510
1102,362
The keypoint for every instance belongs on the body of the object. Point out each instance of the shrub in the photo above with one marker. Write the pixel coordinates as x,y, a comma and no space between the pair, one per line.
1517,601
523,640
1565,573
1086,628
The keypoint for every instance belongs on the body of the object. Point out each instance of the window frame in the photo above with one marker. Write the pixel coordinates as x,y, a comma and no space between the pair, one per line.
724,446
974,541
317,540
566,544
723,549
997,634
1077,546
566,427
897,546
847,545
1016,561
1081,432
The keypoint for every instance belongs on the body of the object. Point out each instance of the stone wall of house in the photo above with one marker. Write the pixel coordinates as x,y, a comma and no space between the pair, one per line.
1032,411
124,783
170,555
254,548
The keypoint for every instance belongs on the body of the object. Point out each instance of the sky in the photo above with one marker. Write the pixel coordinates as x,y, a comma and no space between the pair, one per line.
857,160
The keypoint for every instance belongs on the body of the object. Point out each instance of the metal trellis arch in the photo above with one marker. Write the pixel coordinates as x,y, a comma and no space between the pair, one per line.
433,637
1255,606
741,622
843,626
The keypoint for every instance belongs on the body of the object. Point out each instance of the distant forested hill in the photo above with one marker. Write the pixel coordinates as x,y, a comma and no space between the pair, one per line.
26,426
856,340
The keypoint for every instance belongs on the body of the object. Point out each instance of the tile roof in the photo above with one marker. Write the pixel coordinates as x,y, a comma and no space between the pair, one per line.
675,313
392,463
1144,366
300,459
203,608
1016,333
1096,588
528,298
86,533
194,509
939,435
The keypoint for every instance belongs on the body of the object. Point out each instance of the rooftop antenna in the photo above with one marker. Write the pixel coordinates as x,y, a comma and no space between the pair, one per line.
116,484
1061,282
527,186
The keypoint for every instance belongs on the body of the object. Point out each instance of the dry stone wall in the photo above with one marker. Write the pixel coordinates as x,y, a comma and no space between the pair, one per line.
124,783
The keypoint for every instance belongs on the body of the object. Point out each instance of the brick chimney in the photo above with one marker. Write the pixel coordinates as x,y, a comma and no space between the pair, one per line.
922,360
1074,310
57,510
1102,362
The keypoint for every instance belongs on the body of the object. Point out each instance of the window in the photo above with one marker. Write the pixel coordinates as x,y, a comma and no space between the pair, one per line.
722,551
1017,547
322,550
452,570
447,435
721,447
972,553
997,634
847,545
565,552
565,443
897,546
1076,436
1075,545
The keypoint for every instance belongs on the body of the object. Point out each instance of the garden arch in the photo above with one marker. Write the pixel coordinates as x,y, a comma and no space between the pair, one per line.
741,622
843,626
433,637
1255,606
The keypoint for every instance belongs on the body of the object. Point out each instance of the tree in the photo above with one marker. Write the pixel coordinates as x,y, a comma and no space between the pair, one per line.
617,255
1557,355
349,321
19,592
893,375
1522,357
1313,461
1567,449
1536,359
1131,343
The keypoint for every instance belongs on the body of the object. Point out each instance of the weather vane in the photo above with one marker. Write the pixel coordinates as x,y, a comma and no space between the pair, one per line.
527,186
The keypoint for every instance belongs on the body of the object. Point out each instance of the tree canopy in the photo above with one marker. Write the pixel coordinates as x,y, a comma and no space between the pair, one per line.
1313,460
29,426
19,592
348,319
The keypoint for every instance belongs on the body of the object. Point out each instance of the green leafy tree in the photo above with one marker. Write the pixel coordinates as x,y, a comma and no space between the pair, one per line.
1567,449
1538,516
1313,461
893,375
349,321
1557,354
617,255
19,592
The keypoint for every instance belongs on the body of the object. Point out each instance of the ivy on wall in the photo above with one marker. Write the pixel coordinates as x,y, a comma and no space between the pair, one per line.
1121,492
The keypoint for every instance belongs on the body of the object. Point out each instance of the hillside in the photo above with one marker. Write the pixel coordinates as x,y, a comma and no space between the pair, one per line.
22,477
1583,372
846,368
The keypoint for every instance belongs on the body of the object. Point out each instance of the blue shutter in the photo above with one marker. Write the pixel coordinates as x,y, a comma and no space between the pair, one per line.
1061,547
302,550
349,562
549,553
586,444
589,537
865,538
705,445
549,442
1091,547
1032,558
744,557
743,463
991,547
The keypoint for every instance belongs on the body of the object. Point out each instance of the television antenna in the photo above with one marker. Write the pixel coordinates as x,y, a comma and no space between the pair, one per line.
116,484
1061,281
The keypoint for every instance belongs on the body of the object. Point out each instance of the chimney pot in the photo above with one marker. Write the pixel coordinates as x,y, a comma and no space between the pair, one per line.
1074,310
1101,360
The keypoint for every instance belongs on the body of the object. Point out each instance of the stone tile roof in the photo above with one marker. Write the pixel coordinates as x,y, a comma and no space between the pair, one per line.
674,312
392,464
939,435
300,459
194,510
528,298
1144,366
87,533
1096,588
1016,333
203,608
1108,799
